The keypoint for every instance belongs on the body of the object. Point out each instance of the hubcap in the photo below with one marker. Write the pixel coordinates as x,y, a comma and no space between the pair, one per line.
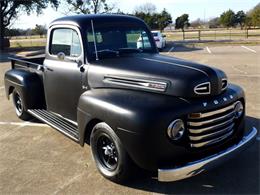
107,152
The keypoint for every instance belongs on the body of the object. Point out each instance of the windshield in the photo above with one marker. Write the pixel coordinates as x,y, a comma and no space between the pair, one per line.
115,39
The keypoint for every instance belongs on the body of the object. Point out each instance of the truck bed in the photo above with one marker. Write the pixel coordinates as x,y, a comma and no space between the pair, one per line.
25,63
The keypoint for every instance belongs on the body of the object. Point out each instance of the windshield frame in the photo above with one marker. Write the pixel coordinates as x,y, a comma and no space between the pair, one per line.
98,25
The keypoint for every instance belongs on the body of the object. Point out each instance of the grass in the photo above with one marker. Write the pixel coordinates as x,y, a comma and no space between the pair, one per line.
217,34
27,44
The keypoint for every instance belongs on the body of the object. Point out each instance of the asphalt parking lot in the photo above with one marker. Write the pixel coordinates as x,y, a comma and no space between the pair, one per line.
36,159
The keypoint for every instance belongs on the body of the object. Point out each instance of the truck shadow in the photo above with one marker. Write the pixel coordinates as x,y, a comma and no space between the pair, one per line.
237,176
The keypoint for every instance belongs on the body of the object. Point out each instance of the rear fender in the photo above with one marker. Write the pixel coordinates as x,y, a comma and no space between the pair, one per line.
28,84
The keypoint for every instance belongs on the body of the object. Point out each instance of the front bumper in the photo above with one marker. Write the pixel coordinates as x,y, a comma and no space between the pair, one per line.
196,167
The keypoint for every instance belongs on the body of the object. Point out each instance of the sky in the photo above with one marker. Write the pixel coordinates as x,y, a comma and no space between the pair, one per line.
195,8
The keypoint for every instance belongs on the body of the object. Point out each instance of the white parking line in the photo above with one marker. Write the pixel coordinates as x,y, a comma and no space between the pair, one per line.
208,50
22,124
248,49
170,50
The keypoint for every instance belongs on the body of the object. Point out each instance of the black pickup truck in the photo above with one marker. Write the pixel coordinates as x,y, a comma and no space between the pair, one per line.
103,82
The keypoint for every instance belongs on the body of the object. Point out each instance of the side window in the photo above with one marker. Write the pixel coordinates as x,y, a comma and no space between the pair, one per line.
66,41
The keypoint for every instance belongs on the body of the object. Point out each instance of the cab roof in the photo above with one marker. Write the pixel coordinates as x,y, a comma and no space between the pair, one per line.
82,20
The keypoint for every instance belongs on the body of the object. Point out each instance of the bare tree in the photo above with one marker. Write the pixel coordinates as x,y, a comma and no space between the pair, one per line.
90,6
147,8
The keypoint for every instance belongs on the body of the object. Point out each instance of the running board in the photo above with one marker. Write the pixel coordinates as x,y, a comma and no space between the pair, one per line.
62,125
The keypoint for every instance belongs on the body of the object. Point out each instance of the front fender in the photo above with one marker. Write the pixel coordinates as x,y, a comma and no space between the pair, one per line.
135,116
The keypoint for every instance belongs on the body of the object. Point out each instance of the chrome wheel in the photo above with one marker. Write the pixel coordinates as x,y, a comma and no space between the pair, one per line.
111,158
18,104
107,152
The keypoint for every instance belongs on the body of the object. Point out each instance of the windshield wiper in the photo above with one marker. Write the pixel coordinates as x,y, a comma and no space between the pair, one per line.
130,50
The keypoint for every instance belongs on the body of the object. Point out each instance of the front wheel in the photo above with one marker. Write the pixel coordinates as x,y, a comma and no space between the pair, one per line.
111,159
19,106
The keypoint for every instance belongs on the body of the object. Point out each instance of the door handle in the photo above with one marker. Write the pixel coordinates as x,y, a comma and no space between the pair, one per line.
82,68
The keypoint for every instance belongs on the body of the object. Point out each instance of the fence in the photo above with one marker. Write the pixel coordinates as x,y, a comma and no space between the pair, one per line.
27,37
173,35
216,34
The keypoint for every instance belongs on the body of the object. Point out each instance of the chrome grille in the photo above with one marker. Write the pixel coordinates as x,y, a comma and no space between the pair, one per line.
208,128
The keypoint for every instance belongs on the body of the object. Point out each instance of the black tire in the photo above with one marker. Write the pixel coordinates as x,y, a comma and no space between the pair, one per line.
19,106
111,158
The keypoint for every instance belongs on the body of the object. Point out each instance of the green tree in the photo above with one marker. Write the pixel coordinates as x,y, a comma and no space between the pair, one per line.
90,6
248,22
228,18
255,15
164,19
155,20
182,22
10,8
39,30
240,18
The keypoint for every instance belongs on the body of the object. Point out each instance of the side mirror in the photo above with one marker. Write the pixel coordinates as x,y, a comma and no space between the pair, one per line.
61,56
163,36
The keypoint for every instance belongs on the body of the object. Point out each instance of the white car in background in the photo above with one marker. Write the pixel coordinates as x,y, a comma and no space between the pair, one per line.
159,39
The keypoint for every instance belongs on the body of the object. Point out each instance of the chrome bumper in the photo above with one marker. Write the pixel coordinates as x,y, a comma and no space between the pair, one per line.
196,167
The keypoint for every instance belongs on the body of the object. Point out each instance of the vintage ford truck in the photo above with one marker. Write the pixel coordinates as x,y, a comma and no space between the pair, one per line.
135,107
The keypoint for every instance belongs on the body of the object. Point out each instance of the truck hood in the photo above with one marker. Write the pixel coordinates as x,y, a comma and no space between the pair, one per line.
157,73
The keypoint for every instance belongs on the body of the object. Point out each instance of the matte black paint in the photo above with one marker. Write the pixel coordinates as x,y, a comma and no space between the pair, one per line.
29,86
139,117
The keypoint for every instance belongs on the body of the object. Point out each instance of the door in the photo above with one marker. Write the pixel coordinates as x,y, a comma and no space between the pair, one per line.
62,76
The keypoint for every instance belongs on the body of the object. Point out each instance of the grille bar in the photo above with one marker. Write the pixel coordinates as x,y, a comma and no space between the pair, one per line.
199,123
213,141
213,134
211,128
215,112
208,128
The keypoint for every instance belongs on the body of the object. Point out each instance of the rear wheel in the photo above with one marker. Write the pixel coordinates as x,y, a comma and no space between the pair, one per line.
111,159
19,106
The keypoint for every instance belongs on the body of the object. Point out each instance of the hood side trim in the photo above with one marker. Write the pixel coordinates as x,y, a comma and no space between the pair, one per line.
137,83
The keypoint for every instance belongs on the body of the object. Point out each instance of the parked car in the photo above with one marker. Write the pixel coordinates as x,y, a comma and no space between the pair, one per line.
159,39
135,107
143,41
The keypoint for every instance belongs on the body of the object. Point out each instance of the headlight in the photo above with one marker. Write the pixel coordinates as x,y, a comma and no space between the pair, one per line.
176,129
239,109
